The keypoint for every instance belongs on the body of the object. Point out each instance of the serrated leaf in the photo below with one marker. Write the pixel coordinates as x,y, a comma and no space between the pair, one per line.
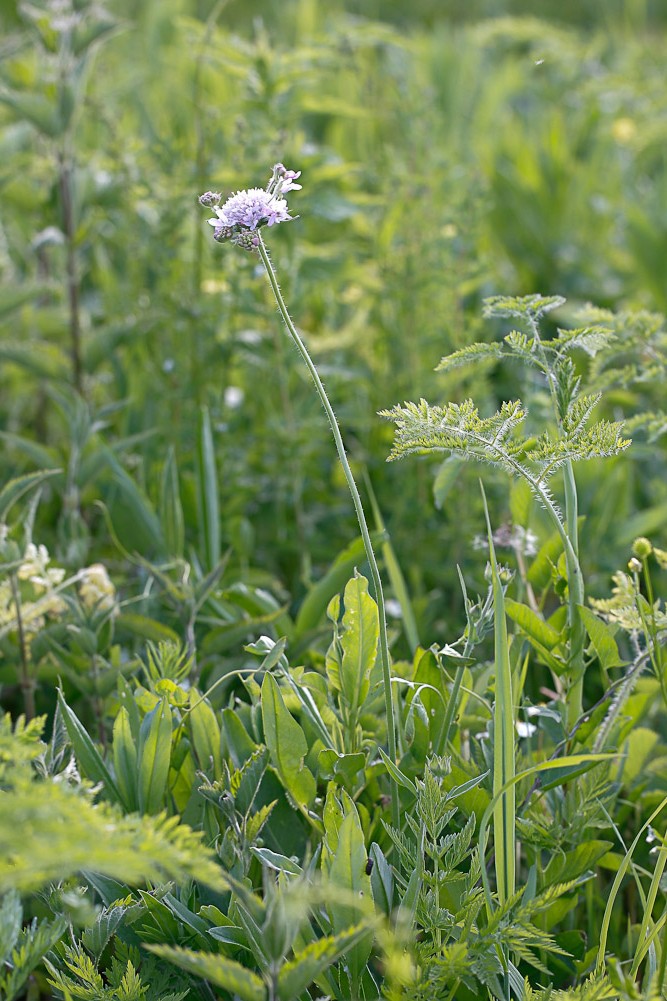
218,970
309,963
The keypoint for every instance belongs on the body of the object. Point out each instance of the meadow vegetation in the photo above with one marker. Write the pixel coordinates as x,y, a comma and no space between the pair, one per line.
281,720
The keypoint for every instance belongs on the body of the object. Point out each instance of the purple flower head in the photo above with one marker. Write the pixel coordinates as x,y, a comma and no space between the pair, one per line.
246,211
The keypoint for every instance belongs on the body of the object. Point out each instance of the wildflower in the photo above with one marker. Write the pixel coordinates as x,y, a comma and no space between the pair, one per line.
96,589
35,569
239,218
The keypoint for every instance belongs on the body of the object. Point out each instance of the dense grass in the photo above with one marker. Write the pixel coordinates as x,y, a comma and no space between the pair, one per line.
156,419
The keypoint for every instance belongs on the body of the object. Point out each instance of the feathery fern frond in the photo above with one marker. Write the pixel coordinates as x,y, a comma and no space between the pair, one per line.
591,339
469,355
532,306
457,428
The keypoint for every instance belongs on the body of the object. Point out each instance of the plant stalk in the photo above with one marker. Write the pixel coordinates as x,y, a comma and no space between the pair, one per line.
359,510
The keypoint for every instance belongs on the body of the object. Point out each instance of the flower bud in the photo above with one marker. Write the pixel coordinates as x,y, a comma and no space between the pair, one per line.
634,565
642,548
210,199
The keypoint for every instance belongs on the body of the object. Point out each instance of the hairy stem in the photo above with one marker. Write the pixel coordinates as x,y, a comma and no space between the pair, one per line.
361,518
575,580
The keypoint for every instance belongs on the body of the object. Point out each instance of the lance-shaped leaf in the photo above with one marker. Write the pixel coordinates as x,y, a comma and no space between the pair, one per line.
287,744
154,757
125,760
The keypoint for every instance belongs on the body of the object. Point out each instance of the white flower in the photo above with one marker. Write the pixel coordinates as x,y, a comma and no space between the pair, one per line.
96,589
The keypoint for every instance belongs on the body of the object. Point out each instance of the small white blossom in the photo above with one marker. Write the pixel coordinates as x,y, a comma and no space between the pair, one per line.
96,589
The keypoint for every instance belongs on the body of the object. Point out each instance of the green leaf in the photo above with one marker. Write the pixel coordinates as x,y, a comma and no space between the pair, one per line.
125,760
309,963
359,643
601,636
287,744
11,918
20,485
571,865
147,629
205,733
397,774
382,880
171,509
154,757
218,970
207,493
344,869
36,109
531,624
315,603
88,758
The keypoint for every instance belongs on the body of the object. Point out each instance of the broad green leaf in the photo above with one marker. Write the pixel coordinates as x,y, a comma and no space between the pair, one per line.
125,760
359,643
205,734
309,963
207,493
531,624
602,637
154,757
315,603
36,109
218,970
571,865
87,756
346,872
287,744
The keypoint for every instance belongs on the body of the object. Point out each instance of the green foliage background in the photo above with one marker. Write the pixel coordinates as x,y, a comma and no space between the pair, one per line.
449,152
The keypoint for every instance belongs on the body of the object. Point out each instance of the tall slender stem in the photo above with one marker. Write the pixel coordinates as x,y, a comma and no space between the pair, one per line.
65,183
361,517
